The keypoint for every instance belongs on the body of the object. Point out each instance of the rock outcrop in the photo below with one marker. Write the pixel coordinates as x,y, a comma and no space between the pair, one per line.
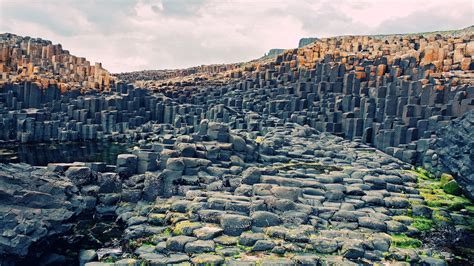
34,204
306,41
455,146
35,59
268,162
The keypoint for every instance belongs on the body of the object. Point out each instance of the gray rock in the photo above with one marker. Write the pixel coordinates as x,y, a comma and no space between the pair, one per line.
381,244
238,143
127,164
87,256
454,147
278,250
294,217
432,261
97,263
151,186
186,149
276,262
79,175
228,251
251,176
35,206
208,232
324,245
421,211
109,183
263,245
207,259
396,202
179,206
177,243
234,225
265,219
214,216
396,227
127,262
290,193
307,259
372,223
352,252
175,164
249,239
199,246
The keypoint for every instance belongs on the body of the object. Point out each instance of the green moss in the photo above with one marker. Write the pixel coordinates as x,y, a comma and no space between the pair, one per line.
445,178
157,218
181,226
439,198
132,244
422,173
422,224
177,217
402,218
167,232
415,202
435,193
245,248
109,259
123,204
438,218
452,188
404,241
470,208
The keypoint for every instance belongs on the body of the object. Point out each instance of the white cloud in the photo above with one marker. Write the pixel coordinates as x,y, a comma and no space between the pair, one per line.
154,34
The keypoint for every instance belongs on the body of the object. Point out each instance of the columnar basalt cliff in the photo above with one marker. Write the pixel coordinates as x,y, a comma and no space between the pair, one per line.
41,61
307,158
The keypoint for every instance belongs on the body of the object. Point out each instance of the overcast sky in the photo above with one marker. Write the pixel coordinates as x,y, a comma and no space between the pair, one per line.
157,34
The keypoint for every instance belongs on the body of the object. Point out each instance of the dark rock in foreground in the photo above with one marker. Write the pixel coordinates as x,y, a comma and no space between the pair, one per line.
456,151
34,204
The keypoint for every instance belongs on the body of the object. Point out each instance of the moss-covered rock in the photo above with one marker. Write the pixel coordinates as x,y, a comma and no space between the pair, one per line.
441,217
445,178
157,218
452,187
186,227
422,224
207,259
404,241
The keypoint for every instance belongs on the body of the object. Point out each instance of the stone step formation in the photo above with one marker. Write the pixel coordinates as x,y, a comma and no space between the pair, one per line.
298,197
307,159
34,59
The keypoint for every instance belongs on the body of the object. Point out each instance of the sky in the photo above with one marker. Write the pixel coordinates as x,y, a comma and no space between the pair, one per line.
164,34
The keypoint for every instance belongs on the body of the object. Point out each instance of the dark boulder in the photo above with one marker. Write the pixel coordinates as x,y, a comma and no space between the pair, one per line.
455,148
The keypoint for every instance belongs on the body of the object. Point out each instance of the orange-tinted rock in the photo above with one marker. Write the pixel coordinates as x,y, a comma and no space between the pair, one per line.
26,58
466,63
381,69
469,49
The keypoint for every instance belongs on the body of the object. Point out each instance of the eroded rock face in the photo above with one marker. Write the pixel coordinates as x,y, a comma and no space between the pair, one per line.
34,204
456,151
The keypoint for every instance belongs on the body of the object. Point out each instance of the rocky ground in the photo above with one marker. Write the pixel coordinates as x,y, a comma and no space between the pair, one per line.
34,204
306,158
293,196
